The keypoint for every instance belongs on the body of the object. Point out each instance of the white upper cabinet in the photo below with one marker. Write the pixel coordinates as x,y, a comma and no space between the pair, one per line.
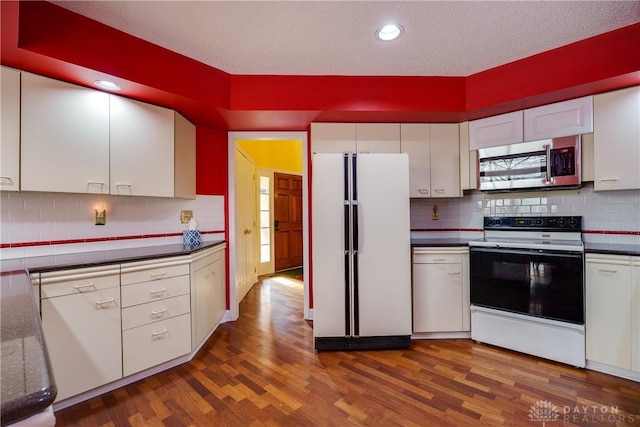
142,152
573,117
468,163
434,159
10,129
378,137
445,160
184,169
415,142
496,130
333,137
65,137
616,132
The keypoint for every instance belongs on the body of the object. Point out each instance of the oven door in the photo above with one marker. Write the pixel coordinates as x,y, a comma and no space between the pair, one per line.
548,284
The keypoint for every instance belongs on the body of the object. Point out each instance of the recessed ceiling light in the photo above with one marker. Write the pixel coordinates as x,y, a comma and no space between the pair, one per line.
389,32
106,84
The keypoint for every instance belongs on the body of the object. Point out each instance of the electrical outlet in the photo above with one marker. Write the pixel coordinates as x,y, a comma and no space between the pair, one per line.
185,216
101,217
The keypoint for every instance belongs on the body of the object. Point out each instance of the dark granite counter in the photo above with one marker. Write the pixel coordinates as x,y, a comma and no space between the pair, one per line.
27,383
612,249
435,243
94,258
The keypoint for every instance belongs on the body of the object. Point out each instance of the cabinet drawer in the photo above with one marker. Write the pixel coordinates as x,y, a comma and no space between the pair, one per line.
156,290
131,275
78,281
155,343
154,311
436,258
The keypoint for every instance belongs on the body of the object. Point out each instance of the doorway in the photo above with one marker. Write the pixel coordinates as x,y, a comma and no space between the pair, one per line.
266,144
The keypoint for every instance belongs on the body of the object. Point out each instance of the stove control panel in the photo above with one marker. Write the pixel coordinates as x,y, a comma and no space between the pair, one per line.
555,223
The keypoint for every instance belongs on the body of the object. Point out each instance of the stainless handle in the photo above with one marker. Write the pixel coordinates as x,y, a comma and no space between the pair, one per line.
105,302
80,288
454,272
6,178
604,270
95,183
159,274
439,190
155,293
159,333
423,191
157,313
548,171
121,184
608,179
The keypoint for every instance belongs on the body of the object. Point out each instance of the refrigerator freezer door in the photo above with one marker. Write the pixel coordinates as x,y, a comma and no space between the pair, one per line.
384,247
328,252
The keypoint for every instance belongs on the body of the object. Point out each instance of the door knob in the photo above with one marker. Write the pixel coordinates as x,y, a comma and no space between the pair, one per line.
277,224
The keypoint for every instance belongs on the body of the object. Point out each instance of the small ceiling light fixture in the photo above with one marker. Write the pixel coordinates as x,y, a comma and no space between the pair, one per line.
389,32
106,84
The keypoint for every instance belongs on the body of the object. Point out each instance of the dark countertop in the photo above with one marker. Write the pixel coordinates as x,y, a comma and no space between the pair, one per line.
441,243
27,383
612,249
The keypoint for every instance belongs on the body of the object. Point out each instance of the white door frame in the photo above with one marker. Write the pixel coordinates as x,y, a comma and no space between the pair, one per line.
232,138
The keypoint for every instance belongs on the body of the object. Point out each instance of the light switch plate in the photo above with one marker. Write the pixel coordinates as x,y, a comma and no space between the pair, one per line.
185,216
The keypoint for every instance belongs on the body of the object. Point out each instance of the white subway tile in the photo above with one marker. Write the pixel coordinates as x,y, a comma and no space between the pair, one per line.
531,201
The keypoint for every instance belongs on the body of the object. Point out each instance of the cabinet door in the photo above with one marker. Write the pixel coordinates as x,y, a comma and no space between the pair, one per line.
83,335
10,129
616,132
445,160
437,297
608,313
65,137
468,161
333,137
496,130
205,301
635,303
378,137
573,117
142,149
185,160
414,140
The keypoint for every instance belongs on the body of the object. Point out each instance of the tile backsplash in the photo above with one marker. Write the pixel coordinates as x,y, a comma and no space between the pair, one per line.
607,215
50,217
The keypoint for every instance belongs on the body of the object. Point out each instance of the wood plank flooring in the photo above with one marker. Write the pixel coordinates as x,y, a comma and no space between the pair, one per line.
262,371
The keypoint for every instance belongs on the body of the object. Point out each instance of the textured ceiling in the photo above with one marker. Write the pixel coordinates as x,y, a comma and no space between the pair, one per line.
441,38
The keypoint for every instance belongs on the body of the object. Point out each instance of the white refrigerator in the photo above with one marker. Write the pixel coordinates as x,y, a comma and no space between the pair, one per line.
361,251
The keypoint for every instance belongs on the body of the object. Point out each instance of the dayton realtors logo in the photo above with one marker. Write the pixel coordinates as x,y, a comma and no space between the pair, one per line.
545,411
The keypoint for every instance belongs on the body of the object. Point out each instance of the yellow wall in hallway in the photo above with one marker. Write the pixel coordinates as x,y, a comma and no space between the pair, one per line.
280,155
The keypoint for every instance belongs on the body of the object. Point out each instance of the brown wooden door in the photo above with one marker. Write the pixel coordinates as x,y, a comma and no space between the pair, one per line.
287,221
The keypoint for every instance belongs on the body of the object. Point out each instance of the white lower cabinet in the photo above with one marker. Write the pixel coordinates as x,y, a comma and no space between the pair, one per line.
612,312
81,323
441,290
103,324
156,323
208,295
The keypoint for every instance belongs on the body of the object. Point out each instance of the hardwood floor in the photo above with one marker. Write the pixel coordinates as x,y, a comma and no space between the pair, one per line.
262,371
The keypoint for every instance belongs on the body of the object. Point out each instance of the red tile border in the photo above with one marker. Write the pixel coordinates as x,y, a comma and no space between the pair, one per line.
97,239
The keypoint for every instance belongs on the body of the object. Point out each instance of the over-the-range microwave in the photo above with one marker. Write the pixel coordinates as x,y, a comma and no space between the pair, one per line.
544,164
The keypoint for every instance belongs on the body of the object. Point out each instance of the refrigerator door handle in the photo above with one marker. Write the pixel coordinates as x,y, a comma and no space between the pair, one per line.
347,249
354,225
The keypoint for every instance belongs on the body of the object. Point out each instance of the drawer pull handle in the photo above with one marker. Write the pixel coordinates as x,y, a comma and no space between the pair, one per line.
423,191
438,259
159,333
604,270
82,288
608,179
157,313
6,178
439,190
105,302
159,274
100,183
158,292
454,272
